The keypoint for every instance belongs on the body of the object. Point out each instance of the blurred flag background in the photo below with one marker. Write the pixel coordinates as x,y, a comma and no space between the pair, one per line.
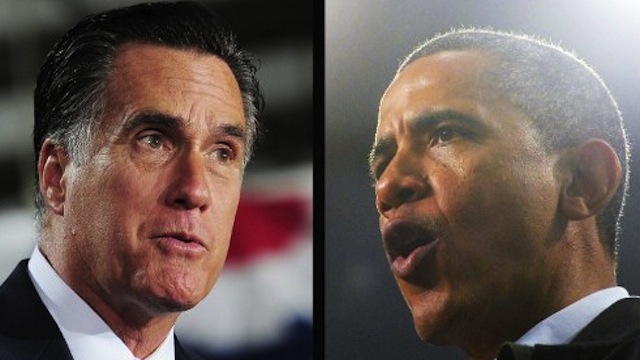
261,306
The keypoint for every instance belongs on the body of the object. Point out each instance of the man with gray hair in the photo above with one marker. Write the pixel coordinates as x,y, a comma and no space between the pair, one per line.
501,168
144,122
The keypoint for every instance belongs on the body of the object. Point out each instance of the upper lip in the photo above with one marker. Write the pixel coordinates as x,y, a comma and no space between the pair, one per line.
182,236
401,236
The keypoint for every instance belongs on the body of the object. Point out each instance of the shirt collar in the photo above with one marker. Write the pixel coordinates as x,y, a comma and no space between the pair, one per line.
564,325
86,334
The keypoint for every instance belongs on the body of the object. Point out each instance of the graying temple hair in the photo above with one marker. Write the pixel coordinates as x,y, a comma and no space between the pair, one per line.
69,99
566,100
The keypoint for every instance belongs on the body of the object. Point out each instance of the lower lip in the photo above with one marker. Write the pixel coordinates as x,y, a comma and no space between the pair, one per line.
405,266
175,246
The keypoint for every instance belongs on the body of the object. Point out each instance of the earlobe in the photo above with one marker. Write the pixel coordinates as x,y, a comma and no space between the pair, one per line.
52,165
594,180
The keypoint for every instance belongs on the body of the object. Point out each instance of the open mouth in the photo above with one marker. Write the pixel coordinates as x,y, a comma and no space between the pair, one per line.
407,245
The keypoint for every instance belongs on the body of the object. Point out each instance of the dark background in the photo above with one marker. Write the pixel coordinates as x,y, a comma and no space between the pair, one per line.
365,315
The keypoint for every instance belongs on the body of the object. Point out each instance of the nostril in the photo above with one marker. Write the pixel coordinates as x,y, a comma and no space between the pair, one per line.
399,197
399,185
180,202
382,207
405,194
395,195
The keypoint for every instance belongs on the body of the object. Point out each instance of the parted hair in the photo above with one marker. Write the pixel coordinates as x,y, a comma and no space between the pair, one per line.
69,98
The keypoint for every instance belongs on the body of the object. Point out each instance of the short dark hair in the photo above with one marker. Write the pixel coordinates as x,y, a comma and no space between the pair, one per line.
566,100
69,98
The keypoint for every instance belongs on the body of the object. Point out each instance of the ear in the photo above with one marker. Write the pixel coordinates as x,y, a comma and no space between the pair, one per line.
52,164
593,181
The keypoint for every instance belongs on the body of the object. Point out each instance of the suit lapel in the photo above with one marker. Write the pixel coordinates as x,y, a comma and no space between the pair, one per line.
27,330
619,320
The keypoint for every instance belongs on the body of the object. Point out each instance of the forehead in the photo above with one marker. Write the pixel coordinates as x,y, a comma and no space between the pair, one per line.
435,82
182,83
452,82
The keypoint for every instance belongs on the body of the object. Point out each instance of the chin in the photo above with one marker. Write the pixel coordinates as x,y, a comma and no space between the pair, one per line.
173,301
171,305
180,295
430,321
432,334
424,331
441,326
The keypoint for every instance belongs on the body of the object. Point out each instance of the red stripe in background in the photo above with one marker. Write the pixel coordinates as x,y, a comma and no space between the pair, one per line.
266,225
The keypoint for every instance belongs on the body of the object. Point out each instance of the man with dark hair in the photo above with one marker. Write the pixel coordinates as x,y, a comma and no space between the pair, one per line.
501,168
144,121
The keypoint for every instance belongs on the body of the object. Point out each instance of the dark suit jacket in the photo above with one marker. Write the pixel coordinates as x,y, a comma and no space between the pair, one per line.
614,334
27,330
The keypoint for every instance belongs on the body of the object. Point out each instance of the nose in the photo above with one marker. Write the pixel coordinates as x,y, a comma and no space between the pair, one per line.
401,182
189,188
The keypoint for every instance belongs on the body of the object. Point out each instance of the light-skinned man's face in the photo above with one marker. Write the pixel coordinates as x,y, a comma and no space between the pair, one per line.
148,217
467,198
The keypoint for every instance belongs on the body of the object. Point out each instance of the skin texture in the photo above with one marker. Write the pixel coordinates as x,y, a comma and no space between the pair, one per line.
141,230
459,165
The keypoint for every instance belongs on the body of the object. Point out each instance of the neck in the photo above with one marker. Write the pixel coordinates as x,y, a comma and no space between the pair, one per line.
579,266
140,330
140,326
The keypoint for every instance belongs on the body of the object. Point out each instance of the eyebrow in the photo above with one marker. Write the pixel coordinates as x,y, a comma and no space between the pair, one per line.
153,118
235,131
166,121
428,120
381,146
387,144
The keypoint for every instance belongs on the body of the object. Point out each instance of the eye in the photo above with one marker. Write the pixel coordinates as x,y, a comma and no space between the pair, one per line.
224,154
154,141
445,135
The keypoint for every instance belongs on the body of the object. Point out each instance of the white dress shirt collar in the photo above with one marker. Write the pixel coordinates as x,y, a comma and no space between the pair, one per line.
564,325
86,334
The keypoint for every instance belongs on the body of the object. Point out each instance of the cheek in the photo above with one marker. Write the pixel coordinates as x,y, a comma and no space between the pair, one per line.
97,218
474,191
127,198
500,209
110,200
